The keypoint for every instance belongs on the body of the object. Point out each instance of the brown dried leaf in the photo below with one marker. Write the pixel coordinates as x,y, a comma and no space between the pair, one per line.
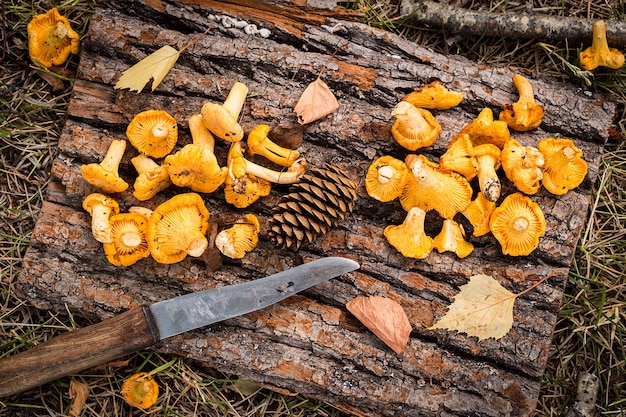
316,101
385,318
79,392
483,308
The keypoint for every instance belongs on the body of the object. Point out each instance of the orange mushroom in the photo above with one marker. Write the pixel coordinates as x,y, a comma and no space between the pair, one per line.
414,127
101,208
488,157
483,129
459,157
434,96
222,119
153,132
152,179
478,212
385,178
599,53
409,238
129,242
523,166
260,144
452,239
239,239
140,390
564,168
525,114
105,175
51,39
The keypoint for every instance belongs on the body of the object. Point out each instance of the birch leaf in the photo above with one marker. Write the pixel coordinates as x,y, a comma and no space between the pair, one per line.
155,66
384,317
483,308
316,101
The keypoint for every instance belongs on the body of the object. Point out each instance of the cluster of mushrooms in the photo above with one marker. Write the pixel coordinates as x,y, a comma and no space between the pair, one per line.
477,151
178,227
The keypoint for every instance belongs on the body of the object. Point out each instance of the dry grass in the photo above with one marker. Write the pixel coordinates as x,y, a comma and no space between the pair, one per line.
590,333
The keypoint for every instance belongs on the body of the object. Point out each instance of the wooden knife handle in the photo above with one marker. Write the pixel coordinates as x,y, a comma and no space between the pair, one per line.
75,351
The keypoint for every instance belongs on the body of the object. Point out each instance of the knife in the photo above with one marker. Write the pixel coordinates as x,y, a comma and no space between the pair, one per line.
143,326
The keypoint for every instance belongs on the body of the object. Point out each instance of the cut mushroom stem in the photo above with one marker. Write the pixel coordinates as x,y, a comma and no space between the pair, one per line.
237,162
488,157
200,135
260,144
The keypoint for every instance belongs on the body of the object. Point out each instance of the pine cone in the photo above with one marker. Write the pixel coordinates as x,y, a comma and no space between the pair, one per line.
318,201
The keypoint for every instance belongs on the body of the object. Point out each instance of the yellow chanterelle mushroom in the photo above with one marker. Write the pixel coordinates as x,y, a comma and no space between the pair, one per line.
239,239
51,39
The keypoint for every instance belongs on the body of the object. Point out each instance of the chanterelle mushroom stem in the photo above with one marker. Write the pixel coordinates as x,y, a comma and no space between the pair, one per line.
114,155
200,135
236,98
237,162
488,158
260,144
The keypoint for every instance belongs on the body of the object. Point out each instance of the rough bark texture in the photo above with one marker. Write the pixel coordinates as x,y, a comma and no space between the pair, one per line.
461,21
310,344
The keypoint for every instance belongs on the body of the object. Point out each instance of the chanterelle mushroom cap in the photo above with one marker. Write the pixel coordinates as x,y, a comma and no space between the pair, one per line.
195,167
177,228
459,157
129,242
414,127
101,208
240,239
483,129
452,239
430,188
152,179
222,119
385,178
140,390
434,96
260,144
523,166
409,238
517,224
599,53
51,40
478,212
488,157
153,132
564,169
105,175
525,114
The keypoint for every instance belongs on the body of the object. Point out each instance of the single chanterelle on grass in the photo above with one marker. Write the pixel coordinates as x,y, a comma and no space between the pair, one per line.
525,114
177,228
434,96
105,175
152,179
129,234
414,127
385,178
523,166
483,129
140,390
101,208
260,144
459,157
51,40
430,188
409,238
222,119
517,224
599,53
564,168
239,239
153,132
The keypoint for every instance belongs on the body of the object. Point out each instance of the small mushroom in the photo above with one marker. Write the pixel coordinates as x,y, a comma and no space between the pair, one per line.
409,238
140,390
152,179
238,165
564,168
239,239
259,144
452,239
483,129
195,166
517,224
129,242
414,127
101,208
488,157
245,190
153,132
599,53
478,212
434,96
459,157
51,39
523,166
431,188
105,175
525,114
222,119
177,228
385,178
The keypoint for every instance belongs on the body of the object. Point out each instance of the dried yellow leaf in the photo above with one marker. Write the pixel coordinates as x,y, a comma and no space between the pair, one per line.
483,308
78,392
155,66
316,101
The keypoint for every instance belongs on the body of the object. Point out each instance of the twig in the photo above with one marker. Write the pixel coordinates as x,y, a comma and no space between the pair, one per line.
460,21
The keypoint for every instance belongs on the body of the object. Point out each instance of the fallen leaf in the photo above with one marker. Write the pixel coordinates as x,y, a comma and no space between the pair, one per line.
384,317
483,308
316,101
79,392
155,66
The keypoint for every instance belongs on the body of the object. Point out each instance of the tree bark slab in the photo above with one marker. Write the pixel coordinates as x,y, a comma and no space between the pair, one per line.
309,343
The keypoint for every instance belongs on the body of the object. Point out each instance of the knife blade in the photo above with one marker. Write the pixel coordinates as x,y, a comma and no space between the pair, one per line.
143,326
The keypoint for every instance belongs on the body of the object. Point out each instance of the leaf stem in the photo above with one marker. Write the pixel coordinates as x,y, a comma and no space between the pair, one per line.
535,285
195,39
